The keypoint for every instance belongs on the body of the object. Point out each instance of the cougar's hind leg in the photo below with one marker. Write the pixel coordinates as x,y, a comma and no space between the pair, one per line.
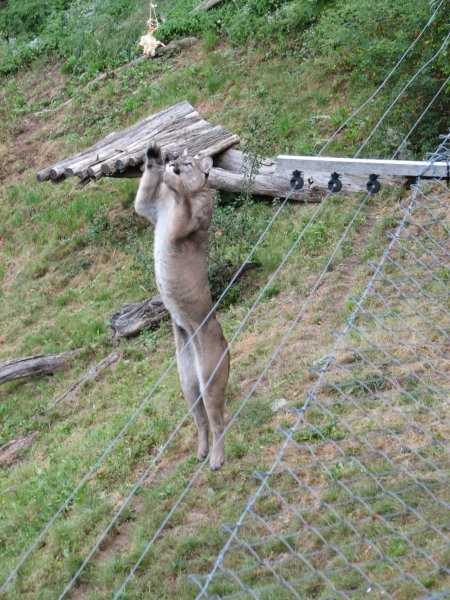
213,362
190,385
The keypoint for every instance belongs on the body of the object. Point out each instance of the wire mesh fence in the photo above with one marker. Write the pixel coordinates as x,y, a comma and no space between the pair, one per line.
356,504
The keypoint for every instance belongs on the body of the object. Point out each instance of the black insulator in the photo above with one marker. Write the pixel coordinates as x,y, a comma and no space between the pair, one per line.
335,184
373,185
297,181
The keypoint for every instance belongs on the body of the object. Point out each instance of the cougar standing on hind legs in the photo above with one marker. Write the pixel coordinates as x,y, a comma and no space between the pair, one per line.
174,196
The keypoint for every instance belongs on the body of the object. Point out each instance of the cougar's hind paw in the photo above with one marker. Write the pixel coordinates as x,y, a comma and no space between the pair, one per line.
154,155
216,461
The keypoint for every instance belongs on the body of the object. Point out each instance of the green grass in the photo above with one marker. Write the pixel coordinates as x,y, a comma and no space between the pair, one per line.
70,438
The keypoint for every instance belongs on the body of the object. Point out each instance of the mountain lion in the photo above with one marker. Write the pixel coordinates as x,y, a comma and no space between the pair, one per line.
174,196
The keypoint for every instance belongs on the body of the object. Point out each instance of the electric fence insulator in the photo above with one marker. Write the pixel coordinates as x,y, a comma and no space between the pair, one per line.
373,185
297,181
335,184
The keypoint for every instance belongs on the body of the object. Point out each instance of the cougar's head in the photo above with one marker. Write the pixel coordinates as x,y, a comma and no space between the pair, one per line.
193,172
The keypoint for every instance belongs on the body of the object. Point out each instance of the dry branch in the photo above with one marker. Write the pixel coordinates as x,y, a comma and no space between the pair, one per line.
90,375
42,364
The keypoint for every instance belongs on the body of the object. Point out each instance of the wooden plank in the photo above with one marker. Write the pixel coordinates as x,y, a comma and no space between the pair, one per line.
261,185
361,166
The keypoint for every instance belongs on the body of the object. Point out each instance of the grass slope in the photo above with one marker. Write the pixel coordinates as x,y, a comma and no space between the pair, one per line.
70,257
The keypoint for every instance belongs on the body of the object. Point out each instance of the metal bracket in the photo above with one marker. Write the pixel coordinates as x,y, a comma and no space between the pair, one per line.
335,184
373,185
297,180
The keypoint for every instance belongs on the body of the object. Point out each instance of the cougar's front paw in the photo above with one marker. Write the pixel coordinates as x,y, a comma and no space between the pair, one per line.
154,156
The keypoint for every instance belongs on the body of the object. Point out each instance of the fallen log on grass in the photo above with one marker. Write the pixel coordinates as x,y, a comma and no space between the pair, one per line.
11,451
42,364
131,319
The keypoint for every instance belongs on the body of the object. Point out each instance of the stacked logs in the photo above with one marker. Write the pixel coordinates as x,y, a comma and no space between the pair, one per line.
121,154
179,126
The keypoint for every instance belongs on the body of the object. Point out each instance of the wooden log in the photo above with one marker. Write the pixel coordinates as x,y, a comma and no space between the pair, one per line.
261,185
58,169
120,147
164,134
42,364
136,159
180,44
131,319
202,141
273,181
131,160
173,129
90,375
206,5
11,451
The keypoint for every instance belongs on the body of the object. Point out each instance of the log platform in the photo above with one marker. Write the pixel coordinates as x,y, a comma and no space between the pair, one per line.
121,154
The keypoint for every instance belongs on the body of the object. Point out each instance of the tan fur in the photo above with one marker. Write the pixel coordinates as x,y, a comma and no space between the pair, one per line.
175,197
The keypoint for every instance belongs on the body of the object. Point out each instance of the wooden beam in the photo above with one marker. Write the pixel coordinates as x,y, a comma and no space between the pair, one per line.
362,166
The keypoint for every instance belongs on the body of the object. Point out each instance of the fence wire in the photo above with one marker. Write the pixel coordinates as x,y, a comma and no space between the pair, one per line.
356,503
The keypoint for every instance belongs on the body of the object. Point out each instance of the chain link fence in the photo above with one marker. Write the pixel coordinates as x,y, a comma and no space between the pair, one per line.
356,504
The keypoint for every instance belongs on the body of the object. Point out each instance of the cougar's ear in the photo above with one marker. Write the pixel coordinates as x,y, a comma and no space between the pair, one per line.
206,164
